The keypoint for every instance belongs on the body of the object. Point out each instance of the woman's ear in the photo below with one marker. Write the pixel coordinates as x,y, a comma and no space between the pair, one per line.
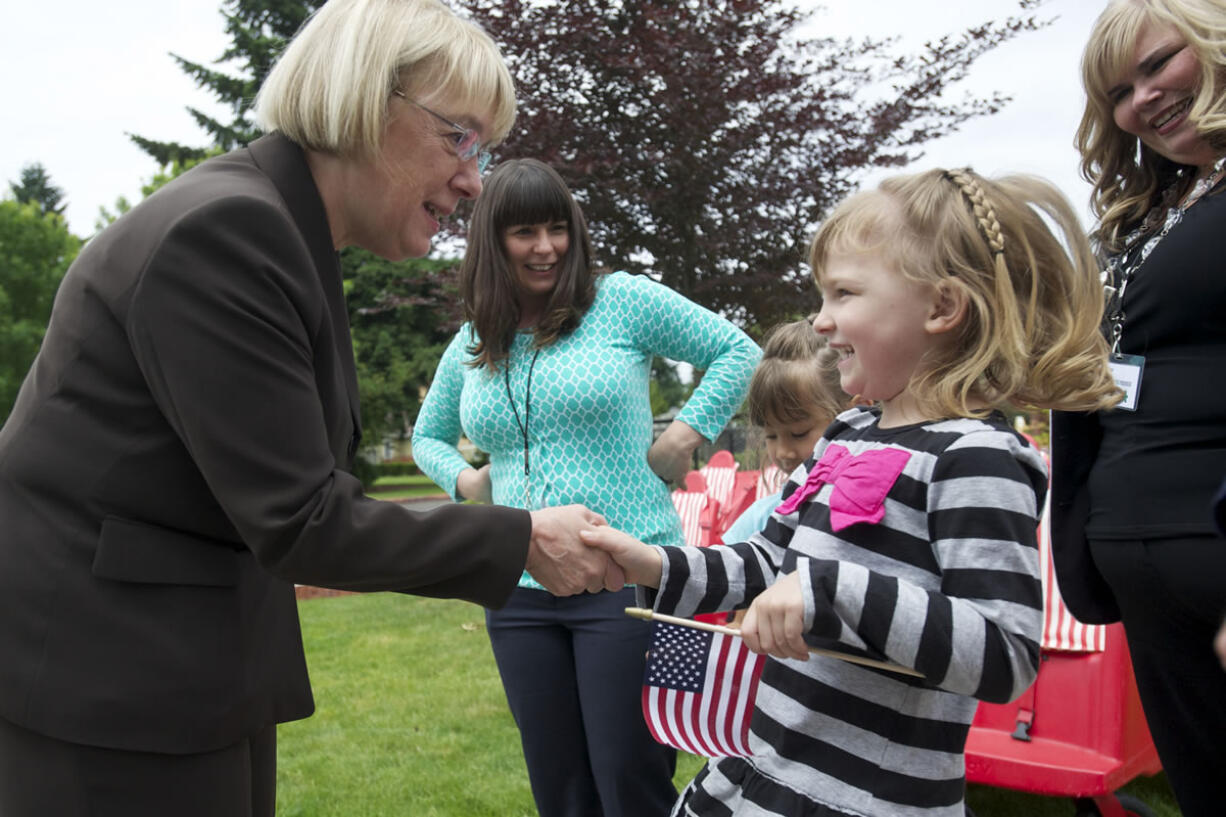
949,305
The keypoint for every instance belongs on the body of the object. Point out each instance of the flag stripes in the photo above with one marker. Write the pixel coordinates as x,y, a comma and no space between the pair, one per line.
699,690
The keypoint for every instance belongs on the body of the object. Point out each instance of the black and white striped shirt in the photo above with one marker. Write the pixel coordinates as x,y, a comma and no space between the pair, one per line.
947,582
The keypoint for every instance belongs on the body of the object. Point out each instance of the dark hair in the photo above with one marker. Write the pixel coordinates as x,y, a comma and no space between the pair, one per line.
797,379
522,191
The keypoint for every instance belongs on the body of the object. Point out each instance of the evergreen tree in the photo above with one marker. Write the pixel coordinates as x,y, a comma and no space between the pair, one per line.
259,30
35,186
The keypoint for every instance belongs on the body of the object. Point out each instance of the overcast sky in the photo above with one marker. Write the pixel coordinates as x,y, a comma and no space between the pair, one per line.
79,74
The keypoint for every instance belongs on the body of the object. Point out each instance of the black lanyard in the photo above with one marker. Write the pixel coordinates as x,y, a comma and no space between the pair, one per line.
523,427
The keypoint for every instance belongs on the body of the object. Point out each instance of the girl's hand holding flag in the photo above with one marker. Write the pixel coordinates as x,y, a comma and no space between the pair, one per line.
775,623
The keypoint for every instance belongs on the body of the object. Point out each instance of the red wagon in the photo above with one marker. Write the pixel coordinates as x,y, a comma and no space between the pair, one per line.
1079,730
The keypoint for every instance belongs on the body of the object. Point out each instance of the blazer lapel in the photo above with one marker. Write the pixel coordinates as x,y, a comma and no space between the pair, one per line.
285,164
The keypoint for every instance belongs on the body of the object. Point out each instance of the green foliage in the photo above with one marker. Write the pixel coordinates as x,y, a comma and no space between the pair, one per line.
35,186
35,251
401,316
411,720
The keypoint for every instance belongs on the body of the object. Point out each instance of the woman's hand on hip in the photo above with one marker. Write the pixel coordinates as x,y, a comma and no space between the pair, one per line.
671,455
474,484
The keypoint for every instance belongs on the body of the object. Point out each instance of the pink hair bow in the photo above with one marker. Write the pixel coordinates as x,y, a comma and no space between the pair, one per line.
861,482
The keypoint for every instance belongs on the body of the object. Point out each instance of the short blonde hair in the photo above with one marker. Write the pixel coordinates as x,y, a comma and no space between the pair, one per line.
329,90
1030,335
796,379
1128,178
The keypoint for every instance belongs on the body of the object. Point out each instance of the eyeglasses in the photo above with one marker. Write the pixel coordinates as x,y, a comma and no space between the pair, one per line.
467,142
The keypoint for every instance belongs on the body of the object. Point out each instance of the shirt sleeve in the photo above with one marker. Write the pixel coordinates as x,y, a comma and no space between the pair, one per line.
437,430
663,322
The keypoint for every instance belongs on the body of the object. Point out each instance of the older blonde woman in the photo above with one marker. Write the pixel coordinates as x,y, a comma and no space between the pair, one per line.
179,455
1134,536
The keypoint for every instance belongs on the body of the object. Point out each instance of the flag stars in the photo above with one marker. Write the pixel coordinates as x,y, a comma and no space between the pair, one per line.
678,658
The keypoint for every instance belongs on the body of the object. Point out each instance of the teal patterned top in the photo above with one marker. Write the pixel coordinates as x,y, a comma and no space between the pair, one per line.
591,423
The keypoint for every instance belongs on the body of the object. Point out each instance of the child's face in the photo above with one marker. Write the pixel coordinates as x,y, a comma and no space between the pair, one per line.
790,444
878,323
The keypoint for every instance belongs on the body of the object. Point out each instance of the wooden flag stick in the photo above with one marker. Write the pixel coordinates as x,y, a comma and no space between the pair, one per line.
650,615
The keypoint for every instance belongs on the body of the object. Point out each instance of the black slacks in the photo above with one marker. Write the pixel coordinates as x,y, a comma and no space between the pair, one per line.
572,669
1172,596
42,776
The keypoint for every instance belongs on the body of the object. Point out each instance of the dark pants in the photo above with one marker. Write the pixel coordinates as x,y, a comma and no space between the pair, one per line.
572,669
41,776
1172,595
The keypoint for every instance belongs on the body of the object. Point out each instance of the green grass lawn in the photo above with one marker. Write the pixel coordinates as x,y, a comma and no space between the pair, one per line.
411,721
405,487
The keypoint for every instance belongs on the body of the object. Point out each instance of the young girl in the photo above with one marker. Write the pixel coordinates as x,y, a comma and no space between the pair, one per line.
793,396
909,536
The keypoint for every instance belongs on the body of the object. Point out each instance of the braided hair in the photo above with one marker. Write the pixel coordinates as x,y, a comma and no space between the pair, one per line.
1030,333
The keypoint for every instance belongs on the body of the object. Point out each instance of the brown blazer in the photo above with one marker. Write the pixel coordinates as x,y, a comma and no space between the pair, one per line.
179,456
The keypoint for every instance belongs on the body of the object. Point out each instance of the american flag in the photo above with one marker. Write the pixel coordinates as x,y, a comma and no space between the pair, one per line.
699,690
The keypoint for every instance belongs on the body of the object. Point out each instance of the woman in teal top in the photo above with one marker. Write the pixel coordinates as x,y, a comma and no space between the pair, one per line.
550,376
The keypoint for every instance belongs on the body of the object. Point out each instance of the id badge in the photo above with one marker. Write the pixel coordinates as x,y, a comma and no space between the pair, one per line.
1127,371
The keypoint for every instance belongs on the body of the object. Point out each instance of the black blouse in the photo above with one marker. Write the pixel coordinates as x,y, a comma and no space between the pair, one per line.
1159,467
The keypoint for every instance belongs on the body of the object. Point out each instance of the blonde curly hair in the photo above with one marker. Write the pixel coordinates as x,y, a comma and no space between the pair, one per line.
1030,333
1127,177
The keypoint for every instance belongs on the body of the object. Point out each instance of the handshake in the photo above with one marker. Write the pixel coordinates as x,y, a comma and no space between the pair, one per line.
573,549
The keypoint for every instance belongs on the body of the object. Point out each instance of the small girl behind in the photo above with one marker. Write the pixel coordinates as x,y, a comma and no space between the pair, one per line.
793,396
910,535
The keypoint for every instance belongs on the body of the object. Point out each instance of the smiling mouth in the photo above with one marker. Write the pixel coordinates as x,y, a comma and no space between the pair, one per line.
1171,113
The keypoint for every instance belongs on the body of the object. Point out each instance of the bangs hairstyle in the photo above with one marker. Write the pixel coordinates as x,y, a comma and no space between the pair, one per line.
329,91
522,191
1129,178
1029,335
796,381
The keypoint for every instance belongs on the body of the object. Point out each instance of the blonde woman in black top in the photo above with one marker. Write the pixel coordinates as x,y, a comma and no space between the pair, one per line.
1133,536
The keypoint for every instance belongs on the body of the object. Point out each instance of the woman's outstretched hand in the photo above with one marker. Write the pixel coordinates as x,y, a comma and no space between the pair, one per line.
640,563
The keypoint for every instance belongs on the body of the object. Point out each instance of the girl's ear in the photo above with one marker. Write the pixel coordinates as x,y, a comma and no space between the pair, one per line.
949,305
